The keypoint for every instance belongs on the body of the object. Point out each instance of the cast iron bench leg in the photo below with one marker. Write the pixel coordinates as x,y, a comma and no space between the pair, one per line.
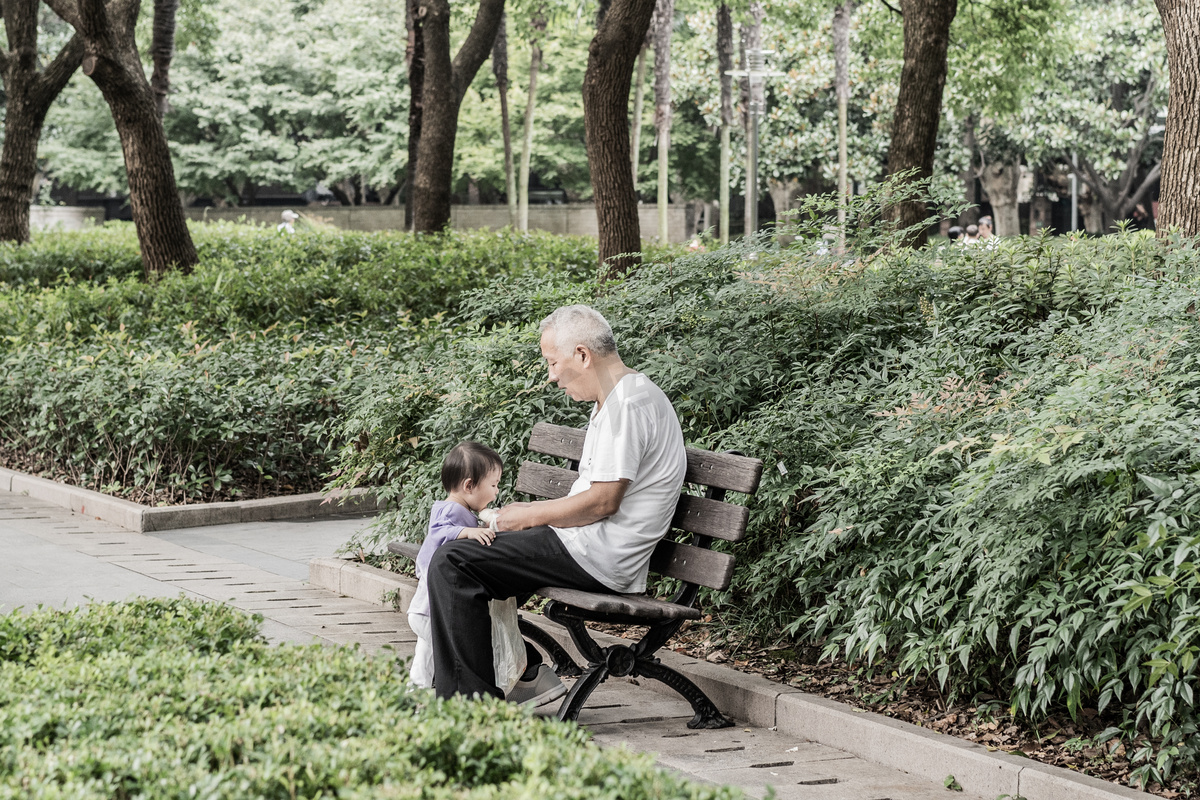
707,715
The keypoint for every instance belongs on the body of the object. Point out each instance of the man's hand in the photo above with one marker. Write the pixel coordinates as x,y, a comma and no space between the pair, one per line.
481,535
597,502
515,517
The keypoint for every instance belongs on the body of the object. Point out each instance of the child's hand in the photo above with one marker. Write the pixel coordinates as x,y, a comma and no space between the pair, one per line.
481,535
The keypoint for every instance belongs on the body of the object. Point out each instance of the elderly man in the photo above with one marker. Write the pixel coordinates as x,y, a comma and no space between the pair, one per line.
598,538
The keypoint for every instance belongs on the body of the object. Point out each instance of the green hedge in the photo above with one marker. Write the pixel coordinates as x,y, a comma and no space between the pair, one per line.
204,386
176,698
981,465
250,278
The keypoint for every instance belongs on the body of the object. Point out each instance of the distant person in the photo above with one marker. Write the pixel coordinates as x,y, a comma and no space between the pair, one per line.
985,229
1140,220
971,235
955,233
288,224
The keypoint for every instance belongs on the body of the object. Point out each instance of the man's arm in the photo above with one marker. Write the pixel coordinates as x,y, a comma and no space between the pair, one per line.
600,500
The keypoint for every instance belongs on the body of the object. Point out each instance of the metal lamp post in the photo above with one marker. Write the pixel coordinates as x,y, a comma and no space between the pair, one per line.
756,72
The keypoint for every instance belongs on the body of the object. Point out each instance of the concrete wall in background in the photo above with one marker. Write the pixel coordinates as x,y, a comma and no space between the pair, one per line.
575,218
66,218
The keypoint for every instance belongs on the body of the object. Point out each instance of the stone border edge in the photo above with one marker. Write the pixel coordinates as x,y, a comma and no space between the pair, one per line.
145,519
873,737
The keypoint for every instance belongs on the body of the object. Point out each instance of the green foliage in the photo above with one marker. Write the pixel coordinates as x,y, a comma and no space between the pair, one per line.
224,381
175,698
981,463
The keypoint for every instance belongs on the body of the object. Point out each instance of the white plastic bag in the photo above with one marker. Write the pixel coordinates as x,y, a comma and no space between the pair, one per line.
508,647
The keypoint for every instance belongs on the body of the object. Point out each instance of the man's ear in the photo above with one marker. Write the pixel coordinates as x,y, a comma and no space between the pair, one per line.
583,353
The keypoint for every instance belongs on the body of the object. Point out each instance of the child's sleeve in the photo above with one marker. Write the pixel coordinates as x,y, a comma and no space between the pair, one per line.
442,528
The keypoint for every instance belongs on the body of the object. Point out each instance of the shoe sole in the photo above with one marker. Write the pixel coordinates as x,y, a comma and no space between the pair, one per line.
548,696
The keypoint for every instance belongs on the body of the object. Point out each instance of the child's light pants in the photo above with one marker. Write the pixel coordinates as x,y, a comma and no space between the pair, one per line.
420,673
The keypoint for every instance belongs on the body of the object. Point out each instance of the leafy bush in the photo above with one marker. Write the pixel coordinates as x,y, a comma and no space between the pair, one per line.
250,278
175,698
981,463
200,420
222,383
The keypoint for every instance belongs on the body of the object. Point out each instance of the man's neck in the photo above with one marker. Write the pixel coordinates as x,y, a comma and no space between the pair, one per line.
608,375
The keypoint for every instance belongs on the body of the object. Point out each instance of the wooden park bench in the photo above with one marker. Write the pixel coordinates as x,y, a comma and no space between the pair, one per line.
684,554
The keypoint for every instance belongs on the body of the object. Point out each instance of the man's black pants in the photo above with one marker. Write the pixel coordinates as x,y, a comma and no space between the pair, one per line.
464,575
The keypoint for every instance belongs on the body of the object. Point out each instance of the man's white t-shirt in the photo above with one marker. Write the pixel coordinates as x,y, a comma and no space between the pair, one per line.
634,435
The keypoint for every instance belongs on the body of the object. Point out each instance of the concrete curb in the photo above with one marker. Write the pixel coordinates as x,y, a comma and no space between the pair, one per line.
144,519
764,703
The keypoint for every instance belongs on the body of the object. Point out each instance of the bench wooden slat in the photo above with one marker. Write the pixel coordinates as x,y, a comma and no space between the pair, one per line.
633,605
542,480
692,564
711,518
693,514
560,441
718,470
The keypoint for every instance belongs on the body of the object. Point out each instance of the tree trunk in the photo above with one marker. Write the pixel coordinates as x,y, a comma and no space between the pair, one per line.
500,70
535,65
1002,181
841,81
751,40
111,60
162,50
1179,198
919,104
611,57
725,64
635,124
29,93
446,82
414,56
665,20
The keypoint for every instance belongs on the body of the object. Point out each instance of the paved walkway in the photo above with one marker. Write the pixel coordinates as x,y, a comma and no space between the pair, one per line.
55,558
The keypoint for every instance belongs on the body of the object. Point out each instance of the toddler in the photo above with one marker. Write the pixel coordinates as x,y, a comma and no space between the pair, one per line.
471,478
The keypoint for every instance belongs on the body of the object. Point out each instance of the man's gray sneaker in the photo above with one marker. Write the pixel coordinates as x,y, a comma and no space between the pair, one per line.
543,688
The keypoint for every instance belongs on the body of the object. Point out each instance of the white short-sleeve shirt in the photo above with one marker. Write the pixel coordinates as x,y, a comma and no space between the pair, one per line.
636,436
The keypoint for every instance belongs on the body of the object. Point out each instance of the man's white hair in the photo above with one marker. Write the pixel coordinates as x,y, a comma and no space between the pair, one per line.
580,325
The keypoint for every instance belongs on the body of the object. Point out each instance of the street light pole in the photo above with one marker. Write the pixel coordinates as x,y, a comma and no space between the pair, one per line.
756,72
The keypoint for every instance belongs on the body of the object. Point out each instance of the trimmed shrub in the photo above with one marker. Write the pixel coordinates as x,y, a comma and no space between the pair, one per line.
176,698
222,383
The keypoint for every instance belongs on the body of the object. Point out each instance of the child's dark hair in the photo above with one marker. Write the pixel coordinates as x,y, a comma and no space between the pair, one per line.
468,461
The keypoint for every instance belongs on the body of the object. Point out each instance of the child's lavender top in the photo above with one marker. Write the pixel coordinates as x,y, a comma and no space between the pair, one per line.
446,522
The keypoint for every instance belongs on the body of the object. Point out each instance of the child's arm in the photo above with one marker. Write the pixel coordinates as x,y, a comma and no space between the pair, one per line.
481,535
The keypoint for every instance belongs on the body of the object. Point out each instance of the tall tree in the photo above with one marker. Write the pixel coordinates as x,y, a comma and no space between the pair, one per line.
500,70
841,82
724,66
112,61
752,97
919,104
446,81
635,123
414,54
29,90
611,57
1179,199
538,25
162,50
664,21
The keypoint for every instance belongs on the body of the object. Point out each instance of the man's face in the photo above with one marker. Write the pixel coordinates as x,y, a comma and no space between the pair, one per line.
565,368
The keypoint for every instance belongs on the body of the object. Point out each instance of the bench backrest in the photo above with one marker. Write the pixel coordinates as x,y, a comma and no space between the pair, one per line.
707,517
